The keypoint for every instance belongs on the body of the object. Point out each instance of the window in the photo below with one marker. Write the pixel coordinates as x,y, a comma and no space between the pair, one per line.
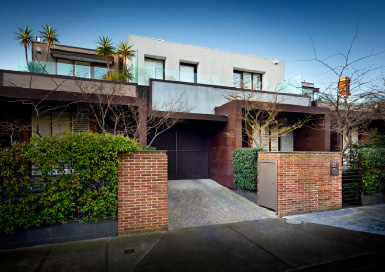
188,72
237,77
56,122
153,68
82,69
100,71
65,67
247,80
267,136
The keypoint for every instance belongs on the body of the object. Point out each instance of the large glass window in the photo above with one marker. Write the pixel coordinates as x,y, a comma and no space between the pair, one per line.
82,69
246,80
153,68
237,77
65,67
257,82
187,72
100,71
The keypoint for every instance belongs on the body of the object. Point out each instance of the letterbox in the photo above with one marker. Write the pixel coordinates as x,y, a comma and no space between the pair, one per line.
334,168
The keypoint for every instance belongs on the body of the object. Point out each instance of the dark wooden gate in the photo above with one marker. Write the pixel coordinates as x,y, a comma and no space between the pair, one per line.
187,146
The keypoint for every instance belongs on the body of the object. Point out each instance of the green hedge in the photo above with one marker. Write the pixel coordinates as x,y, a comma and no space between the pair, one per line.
245,168
76,178
373,170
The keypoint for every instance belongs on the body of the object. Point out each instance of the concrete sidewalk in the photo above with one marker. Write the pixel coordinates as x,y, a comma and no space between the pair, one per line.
366,218
263,245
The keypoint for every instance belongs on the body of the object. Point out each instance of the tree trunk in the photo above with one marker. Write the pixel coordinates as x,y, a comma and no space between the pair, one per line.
108,66
26,54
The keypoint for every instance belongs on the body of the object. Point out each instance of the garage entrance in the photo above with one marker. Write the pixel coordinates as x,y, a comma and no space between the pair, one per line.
187,146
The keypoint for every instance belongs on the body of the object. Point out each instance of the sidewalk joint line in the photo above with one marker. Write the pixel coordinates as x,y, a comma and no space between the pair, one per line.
261,247
150,250
44,259
107,255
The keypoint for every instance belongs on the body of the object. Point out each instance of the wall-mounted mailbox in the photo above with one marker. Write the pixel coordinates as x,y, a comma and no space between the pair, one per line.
334,168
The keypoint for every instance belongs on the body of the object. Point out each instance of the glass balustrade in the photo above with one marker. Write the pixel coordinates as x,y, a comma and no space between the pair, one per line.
142,76
64,68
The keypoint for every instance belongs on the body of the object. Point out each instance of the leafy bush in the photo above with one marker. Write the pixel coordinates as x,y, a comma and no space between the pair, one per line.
148,148
373,170
55,178
245,168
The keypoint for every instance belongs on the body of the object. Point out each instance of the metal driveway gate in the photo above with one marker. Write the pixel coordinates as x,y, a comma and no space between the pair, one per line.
187,146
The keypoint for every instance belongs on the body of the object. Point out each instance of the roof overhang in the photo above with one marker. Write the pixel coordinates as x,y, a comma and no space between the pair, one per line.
64,54
195,116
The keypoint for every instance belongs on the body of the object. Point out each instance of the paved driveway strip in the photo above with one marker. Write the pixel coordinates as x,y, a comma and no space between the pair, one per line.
204,202
367,219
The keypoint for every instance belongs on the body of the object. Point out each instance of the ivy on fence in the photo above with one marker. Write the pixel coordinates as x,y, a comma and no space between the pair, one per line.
245,168
56,178
373,170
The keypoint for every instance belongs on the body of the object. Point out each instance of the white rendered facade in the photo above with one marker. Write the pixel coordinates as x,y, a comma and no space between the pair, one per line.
213,67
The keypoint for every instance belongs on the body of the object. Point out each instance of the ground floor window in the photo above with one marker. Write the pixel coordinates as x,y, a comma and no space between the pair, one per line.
54,122
266,138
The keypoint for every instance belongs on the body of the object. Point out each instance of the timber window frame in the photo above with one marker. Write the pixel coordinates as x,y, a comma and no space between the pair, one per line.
54,122
247,80
188,72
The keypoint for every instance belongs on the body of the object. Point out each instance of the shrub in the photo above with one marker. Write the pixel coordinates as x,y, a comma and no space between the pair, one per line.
373,170
55,178
148,148
245,168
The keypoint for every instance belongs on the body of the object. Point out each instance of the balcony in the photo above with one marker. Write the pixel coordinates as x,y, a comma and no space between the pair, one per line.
142,77
41,81
64,69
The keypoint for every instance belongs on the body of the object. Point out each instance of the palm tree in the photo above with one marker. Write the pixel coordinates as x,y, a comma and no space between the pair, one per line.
125,52
25,38
106,50
50,37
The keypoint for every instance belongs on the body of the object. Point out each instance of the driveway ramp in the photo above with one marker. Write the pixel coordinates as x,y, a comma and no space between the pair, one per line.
202,202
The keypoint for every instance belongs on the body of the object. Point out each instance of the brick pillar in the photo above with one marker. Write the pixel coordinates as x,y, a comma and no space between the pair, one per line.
142,192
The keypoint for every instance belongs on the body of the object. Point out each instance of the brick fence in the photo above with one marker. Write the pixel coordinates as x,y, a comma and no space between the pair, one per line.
142,192
304,181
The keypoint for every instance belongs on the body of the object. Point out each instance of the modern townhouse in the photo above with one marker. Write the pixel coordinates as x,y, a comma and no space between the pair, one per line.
200,79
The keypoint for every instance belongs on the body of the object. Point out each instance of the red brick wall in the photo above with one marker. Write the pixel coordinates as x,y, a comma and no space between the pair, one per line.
142,192
304,181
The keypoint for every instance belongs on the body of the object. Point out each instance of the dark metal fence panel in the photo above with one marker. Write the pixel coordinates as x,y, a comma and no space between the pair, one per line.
351,177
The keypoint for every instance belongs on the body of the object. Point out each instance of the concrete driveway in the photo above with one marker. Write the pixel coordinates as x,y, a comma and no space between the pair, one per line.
203,202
